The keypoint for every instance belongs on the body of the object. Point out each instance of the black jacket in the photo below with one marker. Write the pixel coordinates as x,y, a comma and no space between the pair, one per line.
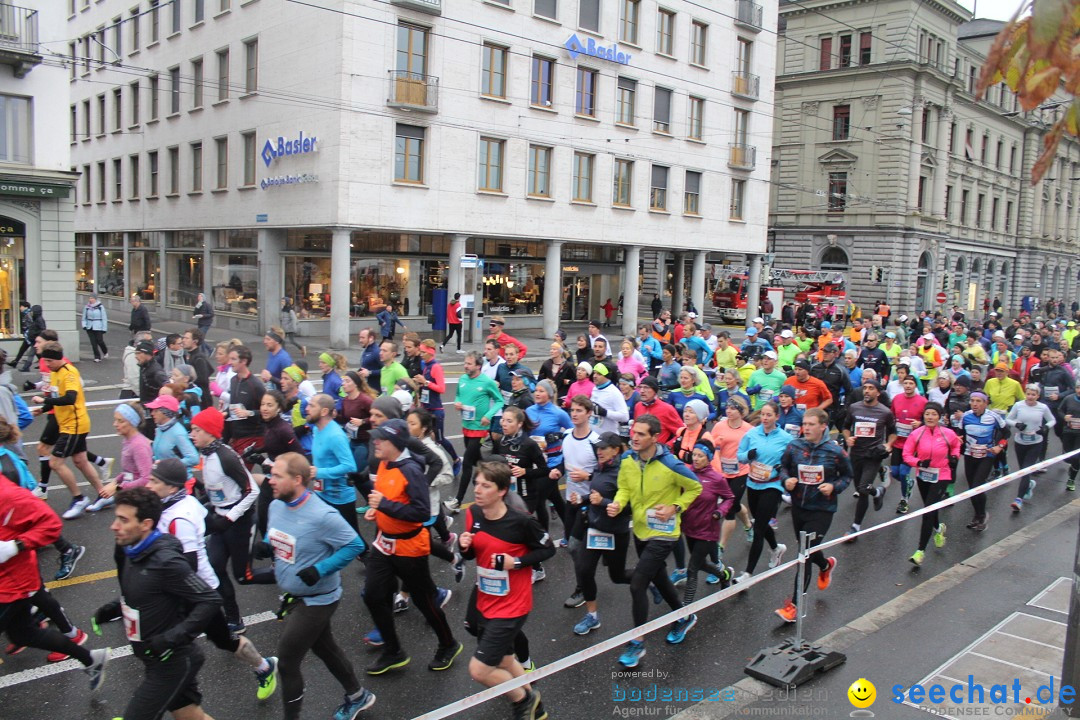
151,377
140,319
837,379
206,310
203,371
605,480
248,392
34,325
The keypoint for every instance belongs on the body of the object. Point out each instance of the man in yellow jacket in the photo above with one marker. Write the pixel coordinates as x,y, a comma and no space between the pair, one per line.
1003,391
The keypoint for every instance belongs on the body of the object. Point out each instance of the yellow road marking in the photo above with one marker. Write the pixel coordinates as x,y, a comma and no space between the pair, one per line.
80,579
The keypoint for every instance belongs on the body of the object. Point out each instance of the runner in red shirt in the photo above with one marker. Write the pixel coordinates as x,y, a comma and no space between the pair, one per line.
809,391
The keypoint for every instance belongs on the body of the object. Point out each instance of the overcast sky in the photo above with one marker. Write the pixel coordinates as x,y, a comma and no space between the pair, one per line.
993,9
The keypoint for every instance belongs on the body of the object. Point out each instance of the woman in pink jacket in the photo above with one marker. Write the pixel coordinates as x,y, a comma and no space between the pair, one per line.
628,362
931,451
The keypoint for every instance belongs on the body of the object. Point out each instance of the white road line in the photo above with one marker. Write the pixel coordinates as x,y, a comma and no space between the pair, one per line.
39,673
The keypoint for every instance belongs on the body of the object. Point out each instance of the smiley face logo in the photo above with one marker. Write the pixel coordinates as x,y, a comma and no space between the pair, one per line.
862,693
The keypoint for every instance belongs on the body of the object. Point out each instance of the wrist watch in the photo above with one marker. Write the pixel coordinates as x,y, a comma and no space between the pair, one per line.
678,508
517,563
19,545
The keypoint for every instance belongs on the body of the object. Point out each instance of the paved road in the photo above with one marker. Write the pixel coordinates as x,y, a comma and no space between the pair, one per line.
870,573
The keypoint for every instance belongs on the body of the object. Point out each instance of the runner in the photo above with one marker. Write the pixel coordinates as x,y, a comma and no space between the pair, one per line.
985,438
907,408
765,383
244,426
579,462
391,370
332,460
166,605
931,451
726,436
809,391
701,521
136,455
311,544
816,470
1031,420
657,487
609,405
1070,435
505,543
559,370
431,383
870,434
528,468
478,400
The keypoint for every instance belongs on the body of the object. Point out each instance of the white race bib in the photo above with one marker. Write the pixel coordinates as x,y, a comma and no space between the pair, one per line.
1051,391
234,409
493,582
655,523
765,394
811,474
132,623
760,472
793,429
385,545
595,420
425,396
468,412
215,492
978,451
801,406
317,485
284,545
865,429
929,475
1028,438
1074,424
352,430
596,540
729,466
903,429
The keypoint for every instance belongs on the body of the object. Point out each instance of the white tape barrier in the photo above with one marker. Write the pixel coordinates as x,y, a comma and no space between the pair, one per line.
698,605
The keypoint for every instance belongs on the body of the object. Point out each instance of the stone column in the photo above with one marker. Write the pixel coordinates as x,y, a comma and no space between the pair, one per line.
454,276
271,243
552,288
209,237
340,298
753,289
630,292
697,282
937,200
678,286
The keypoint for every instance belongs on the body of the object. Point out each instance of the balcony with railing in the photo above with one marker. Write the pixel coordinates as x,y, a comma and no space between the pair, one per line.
413,91
19,38
741,156
745,85
748,15
431,7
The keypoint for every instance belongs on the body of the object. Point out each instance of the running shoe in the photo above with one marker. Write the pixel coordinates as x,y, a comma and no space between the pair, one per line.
786,498
777,554
789,613
77,508
711,579
105,469
632,654
538,574
1070,485
678,631
773,524
267,680
442,596
574,601
588,623
1017,505
98,660
657,598
979,524
851,531
100,504
824,578
902,507
41,492
1030,490
68,559
452,506
457,470
353,706
879,498
459,567
678,576
401,603
562,544
743,577
374,638
13,649
917,557
451,540
444,657
79,639
388,661
749,531
238,627
525,708
939,535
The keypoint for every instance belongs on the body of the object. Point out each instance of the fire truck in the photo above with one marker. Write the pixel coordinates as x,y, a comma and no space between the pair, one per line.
816,286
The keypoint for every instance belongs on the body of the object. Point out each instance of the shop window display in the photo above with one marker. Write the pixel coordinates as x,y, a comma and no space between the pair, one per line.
185,278
235,283
12,280
143,271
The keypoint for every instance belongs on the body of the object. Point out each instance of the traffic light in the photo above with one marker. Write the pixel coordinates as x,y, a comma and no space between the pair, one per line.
874,273
945,282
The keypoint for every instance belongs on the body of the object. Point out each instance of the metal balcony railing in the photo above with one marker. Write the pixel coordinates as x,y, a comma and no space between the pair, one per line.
413,91
745,85
742,156
748,14
431,7
19,38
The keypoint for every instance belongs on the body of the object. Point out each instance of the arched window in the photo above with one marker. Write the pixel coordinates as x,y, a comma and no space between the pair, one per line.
923,298
834,258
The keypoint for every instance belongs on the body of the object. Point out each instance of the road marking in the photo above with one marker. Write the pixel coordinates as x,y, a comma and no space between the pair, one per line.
80,579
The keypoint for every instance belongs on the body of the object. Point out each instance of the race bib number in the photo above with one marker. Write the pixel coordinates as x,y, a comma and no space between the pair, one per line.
493,582
793,429
54,391
595,420
1028,438
216,493
425,396
801,406
929,475
1074,424
385,545
283,544
978,451
811,474
234,411
1051,391
317,485
729,466
468,412
903,429
132,623
765,394
760,472
653,522
596,540
865,429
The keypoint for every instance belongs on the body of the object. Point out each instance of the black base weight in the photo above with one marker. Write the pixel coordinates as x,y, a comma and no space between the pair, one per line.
787,665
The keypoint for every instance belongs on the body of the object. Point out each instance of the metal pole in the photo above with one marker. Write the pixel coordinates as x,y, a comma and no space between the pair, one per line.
804,546
1070,667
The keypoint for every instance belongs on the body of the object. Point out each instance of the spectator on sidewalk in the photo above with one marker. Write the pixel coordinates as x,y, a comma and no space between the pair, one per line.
95,321
290,324
33,322
203,313
140,316
388,321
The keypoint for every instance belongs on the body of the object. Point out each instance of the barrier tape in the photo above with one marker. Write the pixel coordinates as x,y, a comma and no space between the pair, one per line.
710,600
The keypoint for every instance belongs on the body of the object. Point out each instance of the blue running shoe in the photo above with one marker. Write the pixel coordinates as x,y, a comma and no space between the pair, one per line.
657,598
352,707
374,638
712,579
679,630
442,596
588,623
635,650
678,577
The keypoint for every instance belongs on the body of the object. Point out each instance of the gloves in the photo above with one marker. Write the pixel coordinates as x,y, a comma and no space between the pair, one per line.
8,550
262,551
600,410
751,454
255,458
159,647
217,523
1021,426
107,613
716,515
309,575
924,463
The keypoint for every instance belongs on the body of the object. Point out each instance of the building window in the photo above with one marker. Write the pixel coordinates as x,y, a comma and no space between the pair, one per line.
155,22
658,188
1008,216
865,40
738,191
72,58
744,56
980,200
174,90
135,20
994,204
411,54
543,71
221,150
152,162
837,191
698,43
964,206
153,91
583,177
101,114
222,74
196,167
546,8
409,153
984,149
924,130
969,145
825,56
87,181
920,197
841,122
177,12
692,193
696,120
135,110
15,124
133,170
491,164
665,32
118,39
589,15
624,105
585,95
250,153
948,202
174,171
87,130
196,83
952,138
623,178
539,171
251,66
234,280
845,51
73,122
493,77
200,10
997,154
629,21
118,178
1012,159
662,110
185,272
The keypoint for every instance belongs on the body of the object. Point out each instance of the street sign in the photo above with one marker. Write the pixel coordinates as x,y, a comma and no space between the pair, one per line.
941,298
470,261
